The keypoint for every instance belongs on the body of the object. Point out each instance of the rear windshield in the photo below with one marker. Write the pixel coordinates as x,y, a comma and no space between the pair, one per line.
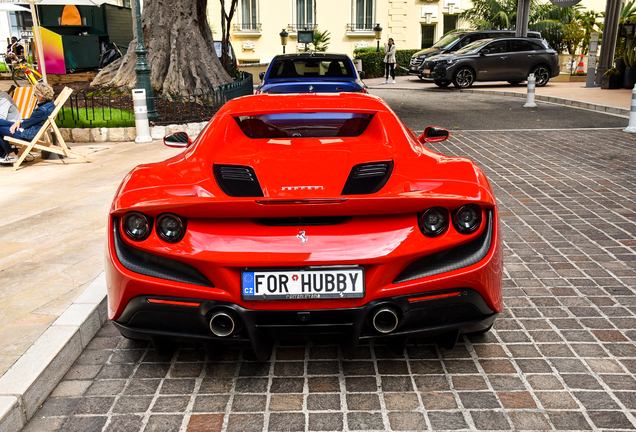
304,125
299,68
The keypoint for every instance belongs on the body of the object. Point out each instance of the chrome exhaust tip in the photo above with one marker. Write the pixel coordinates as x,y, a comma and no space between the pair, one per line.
222,323
385,320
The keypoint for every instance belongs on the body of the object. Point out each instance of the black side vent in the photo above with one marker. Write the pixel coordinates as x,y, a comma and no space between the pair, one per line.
452,259
237,180
367,178
148,264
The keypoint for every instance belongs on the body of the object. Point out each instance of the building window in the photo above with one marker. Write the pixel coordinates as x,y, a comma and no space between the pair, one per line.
362,15
450,23
305,17
20,21
428,35
249,15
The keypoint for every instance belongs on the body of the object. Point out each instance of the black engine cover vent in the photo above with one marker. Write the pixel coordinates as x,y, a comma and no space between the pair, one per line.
237,180
368,178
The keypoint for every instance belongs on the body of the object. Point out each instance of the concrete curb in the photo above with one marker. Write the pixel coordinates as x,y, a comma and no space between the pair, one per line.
100,135
553,99
34,376
557,100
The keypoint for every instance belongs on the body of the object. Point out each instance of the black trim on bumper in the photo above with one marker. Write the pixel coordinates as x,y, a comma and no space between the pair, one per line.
463,312
451,259
148,264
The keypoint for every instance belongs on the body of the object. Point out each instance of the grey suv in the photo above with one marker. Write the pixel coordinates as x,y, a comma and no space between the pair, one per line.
453,41
504,59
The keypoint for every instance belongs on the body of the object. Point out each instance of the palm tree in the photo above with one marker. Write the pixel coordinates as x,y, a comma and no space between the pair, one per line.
321,40
502,15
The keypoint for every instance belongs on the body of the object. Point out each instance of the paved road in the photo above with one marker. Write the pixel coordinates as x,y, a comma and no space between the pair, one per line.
562,356
456,110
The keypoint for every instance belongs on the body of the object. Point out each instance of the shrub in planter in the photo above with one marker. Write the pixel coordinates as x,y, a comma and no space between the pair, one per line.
611,79
373,62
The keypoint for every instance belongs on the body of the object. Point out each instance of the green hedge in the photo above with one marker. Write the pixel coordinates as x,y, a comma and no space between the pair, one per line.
373,62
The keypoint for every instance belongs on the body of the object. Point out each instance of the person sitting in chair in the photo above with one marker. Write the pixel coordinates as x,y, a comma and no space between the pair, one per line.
26,129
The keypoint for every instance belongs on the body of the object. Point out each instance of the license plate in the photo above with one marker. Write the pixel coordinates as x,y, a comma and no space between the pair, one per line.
427,71
310,283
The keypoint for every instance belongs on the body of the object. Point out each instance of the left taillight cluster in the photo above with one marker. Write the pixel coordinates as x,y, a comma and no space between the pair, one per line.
436,220
169,227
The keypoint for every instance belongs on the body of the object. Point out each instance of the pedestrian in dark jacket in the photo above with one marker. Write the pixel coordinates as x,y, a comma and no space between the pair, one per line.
26,129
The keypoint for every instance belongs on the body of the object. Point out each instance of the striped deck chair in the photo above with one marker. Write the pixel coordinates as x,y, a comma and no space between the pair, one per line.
41,141
25,99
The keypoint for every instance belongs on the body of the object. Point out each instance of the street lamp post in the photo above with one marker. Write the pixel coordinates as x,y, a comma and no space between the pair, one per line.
283,39
142,69
378,33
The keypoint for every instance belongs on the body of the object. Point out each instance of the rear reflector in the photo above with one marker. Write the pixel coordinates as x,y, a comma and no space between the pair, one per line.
172,302
303,201
433,297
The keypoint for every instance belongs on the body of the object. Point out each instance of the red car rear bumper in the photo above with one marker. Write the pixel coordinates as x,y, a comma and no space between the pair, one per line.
439,295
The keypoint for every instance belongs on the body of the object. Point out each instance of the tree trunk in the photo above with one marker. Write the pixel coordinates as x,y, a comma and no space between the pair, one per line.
180,47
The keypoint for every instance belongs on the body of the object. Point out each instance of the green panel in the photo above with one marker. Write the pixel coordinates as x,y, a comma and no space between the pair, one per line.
81,52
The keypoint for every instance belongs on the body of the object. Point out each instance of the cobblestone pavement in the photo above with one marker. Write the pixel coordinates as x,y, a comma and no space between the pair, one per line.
561,357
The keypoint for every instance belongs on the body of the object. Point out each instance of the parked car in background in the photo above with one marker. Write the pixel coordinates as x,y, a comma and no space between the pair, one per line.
454,41
311,72
504,59
304,216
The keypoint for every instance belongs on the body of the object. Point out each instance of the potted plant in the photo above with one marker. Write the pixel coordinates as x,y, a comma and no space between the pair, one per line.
629,78
611,79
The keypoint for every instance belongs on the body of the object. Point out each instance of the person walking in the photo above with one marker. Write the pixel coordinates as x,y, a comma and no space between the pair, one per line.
389,61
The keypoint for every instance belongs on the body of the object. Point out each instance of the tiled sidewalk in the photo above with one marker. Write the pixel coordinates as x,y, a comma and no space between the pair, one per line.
562,356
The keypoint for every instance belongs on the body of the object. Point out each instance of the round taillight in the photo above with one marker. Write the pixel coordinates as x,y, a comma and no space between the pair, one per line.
136,226
170,227
467,218
433,221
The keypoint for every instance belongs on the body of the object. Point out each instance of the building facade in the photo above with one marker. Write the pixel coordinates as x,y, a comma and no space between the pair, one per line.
411,23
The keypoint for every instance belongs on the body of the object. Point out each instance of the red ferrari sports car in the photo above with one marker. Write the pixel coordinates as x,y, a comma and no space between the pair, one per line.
302,216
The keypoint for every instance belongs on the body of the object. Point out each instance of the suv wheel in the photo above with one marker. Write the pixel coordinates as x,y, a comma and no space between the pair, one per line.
442,84
541,75
464,78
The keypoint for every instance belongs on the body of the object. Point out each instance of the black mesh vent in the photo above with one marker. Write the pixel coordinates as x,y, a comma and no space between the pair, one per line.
451,259
302,221
367,178
148,264
237,180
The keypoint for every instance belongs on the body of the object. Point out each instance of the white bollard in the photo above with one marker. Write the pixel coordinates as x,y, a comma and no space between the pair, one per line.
530,101
631,127
141,116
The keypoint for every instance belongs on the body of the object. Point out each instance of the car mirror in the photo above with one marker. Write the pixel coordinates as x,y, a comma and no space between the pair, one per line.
261,75
433,134
177,140
361,74
484,51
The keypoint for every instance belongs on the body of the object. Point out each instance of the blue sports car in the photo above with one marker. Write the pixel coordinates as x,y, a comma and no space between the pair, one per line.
311,72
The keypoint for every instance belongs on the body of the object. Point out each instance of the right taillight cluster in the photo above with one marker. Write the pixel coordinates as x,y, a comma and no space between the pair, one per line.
435,221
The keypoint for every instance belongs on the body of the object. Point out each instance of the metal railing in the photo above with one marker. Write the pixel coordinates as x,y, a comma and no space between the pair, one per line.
115,109
247,27
359,27
296,27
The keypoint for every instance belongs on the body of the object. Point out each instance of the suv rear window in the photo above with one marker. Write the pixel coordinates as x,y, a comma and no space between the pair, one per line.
334,68
304,125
